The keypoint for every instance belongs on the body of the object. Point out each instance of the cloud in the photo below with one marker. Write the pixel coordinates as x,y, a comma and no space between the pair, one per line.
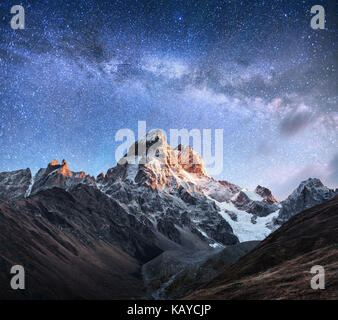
294,122
205,95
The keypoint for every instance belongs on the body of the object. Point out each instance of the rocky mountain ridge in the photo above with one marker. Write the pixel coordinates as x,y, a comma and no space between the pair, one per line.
308,194
169,191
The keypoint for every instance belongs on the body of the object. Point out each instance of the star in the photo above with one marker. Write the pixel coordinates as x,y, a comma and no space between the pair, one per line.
82,70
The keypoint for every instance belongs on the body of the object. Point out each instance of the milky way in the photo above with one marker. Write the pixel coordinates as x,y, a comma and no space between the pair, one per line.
81,70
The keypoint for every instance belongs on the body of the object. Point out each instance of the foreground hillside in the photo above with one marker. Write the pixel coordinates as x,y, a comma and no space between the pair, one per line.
279,267
77,245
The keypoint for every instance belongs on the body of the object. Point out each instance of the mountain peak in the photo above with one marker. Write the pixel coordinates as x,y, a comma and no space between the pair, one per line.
311,182
153,144
153,136
265,193
54,163
309,193
64,170
61,168
154,147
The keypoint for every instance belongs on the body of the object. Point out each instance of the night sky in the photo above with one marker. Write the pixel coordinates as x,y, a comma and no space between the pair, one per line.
81,70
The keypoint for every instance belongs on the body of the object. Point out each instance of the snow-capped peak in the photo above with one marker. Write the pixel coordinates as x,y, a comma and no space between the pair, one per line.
310,183
149,147
309,193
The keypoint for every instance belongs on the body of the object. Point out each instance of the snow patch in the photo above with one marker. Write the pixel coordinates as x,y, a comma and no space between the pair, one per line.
244,228
252,195
216,245
29,190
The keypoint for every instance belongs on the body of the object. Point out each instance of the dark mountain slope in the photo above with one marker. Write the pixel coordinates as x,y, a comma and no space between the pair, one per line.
279,267
73,245
174,274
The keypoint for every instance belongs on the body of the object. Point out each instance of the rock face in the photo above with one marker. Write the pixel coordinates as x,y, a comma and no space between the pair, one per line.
266,194
167,189
308,194
257,205
190,160
13,185
58,175
279,267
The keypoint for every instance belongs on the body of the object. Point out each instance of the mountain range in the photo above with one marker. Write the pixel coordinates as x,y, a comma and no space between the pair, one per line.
134,231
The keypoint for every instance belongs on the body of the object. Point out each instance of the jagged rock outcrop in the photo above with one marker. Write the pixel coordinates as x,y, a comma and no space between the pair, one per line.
58,175
266,194
255,203
233,188
190,160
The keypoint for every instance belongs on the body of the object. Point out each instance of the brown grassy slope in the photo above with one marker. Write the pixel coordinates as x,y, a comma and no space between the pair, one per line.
279,267
65,255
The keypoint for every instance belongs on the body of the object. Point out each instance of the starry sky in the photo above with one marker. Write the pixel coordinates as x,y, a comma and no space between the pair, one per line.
81,70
